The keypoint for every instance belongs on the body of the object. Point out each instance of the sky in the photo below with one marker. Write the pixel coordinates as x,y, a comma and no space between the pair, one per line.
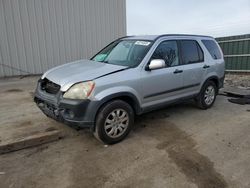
216,18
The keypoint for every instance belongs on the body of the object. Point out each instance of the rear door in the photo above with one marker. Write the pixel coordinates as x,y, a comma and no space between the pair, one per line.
194,68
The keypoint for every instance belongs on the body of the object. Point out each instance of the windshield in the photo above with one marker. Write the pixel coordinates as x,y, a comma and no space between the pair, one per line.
124,52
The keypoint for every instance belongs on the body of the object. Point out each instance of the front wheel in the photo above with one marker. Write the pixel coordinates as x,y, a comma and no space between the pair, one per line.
207,95
114,121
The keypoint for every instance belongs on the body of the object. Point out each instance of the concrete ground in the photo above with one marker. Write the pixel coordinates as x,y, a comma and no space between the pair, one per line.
179,146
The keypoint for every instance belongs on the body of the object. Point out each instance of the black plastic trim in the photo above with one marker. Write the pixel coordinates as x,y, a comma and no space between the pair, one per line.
162,105
123,94
221,81
171,90
58,108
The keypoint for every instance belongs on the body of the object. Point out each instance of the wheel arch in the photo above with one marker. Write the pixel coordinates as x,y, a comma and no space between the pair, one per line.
124,96
214,79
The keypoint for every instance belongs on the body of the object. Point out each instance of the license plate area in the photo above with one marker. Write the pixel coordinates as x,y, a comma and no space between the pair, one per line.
48,109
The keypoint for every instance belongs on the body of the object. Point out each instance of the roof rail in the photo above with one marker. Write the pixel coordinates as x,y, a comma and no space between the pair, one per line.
166,35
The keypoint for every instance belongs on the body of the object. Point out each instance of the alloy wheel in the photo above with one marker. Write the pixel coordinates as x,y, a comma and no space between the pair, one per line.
116,123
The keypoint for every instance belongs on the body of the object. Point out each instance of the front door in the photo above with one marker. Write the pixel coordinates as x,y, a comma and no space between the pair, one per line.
162,85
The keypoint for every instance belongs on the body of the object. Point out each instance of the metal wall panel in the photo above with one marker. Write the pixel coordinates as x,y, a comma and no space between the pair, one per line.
236,51
36,35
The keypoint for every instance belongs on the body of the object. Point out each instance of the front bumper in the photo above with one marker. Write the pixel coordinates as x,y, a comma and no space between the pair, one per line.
73,112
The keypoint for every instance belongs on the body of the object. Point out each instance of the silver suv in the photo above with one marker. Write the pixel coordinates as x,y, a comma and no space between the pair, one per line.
131,76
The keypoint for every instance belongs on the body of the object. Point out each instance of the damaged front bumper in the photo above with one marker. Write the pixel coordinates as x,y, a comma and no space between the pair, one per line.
70,111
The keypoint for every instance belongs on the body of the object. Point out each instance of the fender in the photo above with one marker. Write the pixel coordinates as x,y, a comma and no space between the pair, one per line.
133,101
210,76
216,78
218,82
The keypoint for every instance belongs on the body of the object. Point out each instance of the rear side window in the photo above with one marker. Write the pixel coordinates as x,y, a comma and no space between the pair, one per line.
213,48
191,52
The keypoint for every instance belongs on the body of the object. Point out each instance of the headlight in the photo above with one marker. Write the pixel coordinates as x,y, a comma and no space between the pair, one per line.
80,90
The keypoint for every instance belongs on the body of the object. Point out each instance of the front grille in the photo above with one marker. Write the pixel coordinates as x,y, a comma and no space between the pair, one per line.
49,87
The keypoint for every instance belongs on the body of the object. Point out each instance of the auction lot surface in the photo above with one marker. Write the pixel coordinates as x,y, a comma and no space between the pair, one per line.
179,146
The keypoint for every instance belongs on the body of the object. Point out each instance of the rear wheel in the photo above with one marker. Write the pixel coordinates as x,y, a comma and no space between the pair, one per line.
207,95
114,122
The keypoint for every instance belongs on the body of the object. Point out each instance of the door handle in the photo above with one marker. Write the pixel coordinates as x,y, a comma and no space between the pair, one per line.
178,71
206,66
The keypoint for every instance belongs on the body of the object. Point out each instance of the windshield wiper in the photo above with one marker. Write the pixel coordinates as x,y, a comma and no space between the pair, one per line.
105,62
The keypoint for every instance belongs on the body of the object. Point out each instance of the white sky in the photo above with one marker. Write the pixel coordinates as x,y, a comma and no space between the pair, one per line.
207,17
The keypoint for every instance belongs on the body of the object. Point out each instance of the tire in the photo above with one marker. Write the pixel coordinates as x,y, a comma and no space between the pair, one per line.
114,122
207,95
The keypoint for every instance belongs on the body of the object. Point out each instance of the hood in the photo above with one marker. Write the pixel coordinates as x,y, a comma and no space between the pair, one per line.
83,70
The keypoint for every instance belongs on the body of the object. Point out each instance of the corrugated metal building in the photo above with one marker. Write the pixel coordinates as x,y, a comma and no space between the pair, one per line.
36,35
236,52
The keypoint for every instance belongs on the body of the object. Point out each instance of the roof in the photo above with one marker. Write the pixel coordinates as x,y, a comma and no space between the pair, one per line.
155,37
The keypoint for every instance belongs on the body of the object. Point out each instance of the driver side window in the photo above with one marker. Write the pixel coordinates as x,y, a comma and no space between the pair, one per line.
168,51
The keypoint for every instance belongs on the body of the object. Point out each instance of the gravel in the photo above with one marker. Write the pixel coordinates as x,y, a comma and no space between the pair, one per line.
236,80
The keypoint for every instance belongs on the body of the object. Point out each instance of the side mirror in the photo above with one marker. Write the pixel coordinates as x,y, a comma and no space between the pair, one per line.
156,64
